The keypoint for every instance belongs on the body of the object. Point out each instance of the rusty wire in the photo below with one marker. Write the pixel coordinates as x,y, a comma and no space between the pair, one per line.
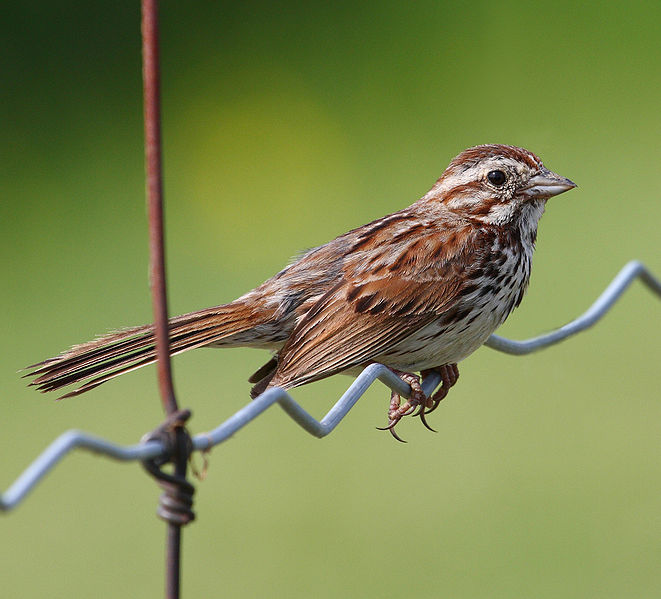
177,499
154,190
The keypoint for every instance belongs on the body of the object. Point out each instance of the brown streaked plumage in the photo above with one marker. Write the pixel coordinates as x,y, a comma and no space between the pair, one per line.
418,290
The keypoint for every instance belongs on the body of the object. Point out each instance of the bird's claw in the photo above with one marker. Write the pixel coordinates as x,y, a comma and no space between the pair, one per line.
397,411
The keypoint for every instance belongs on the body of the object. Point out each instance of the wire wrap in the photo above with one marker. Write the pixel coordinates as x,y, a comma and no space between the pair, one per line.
176,501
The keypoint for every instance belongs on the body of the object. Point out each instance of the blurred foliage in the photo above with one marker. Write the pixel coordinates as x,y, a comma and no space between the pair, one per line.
286,124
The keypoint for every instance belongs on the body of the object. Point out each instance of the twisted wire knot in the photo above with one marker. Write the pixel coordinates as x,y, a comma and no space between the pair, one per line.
176,501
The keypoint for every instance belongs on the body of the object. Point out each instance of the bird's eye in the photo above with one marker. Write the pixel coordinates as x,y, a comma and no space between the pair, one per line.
496,178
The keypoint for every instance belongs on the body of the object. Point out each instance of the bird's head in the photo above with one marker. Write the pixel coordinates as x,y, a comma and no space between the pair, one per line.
497,184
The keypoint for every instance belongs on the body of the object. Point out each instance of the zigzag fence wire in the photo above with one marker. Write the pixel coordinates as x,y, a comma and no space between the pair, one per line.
74,439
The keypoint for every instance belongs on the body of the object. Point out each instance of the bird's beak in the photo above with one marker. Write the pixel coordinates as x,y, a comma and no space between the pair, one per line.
546,184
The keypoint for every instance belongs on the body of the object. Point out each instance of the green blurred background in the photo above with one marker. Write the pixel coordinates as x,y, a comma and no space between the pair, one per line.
285,126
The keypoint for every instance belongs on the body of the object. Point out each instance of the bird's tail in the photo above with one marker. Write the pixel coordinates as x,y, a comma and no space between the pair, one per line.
106,357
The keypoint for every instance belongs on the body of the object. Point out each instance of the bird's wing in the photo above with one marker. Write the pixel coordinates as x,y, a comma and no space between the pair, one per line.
372,308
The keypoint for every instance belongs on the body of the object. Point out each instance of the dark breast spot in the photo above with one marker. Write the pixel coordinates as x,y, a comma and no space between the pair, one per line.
487,290
492,271
468,289
456,315
519,297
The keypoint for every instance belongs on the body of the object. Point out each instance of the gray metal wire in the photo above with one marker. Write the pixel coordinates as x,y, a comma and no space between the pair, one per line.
74,439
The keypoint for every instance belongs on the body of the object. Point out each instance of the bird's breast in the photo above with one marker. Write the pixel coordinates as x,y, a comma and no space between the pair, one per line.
495,288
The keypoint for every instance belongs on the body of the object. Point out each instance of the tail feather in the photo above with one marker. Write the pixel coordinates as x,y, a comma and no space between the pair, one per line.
109,356
83,355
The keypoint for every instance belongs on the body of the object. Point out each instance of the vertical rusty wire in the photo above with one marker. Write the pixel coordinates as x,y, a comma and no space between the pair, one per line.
154,188
154,184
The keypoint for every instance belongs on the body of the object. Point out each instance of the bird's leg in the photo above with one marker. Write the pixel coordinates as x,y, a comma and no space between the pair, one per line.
396,410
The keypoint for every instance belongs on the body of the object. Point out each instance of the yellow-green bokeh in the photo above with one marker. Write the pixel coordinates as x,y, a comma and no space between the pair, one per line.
285,126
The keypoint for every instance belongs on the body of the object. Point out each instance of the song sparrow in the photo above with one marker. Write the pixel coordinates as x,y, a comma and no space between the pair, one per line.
418,290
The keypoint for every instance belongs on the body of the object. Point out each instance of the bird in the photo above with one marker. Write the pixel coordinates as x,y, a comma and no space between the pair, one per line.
418,290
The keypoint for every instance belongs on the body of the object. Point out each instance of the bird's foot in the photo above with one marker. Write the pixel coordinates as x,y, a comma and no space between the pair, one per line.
449,374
